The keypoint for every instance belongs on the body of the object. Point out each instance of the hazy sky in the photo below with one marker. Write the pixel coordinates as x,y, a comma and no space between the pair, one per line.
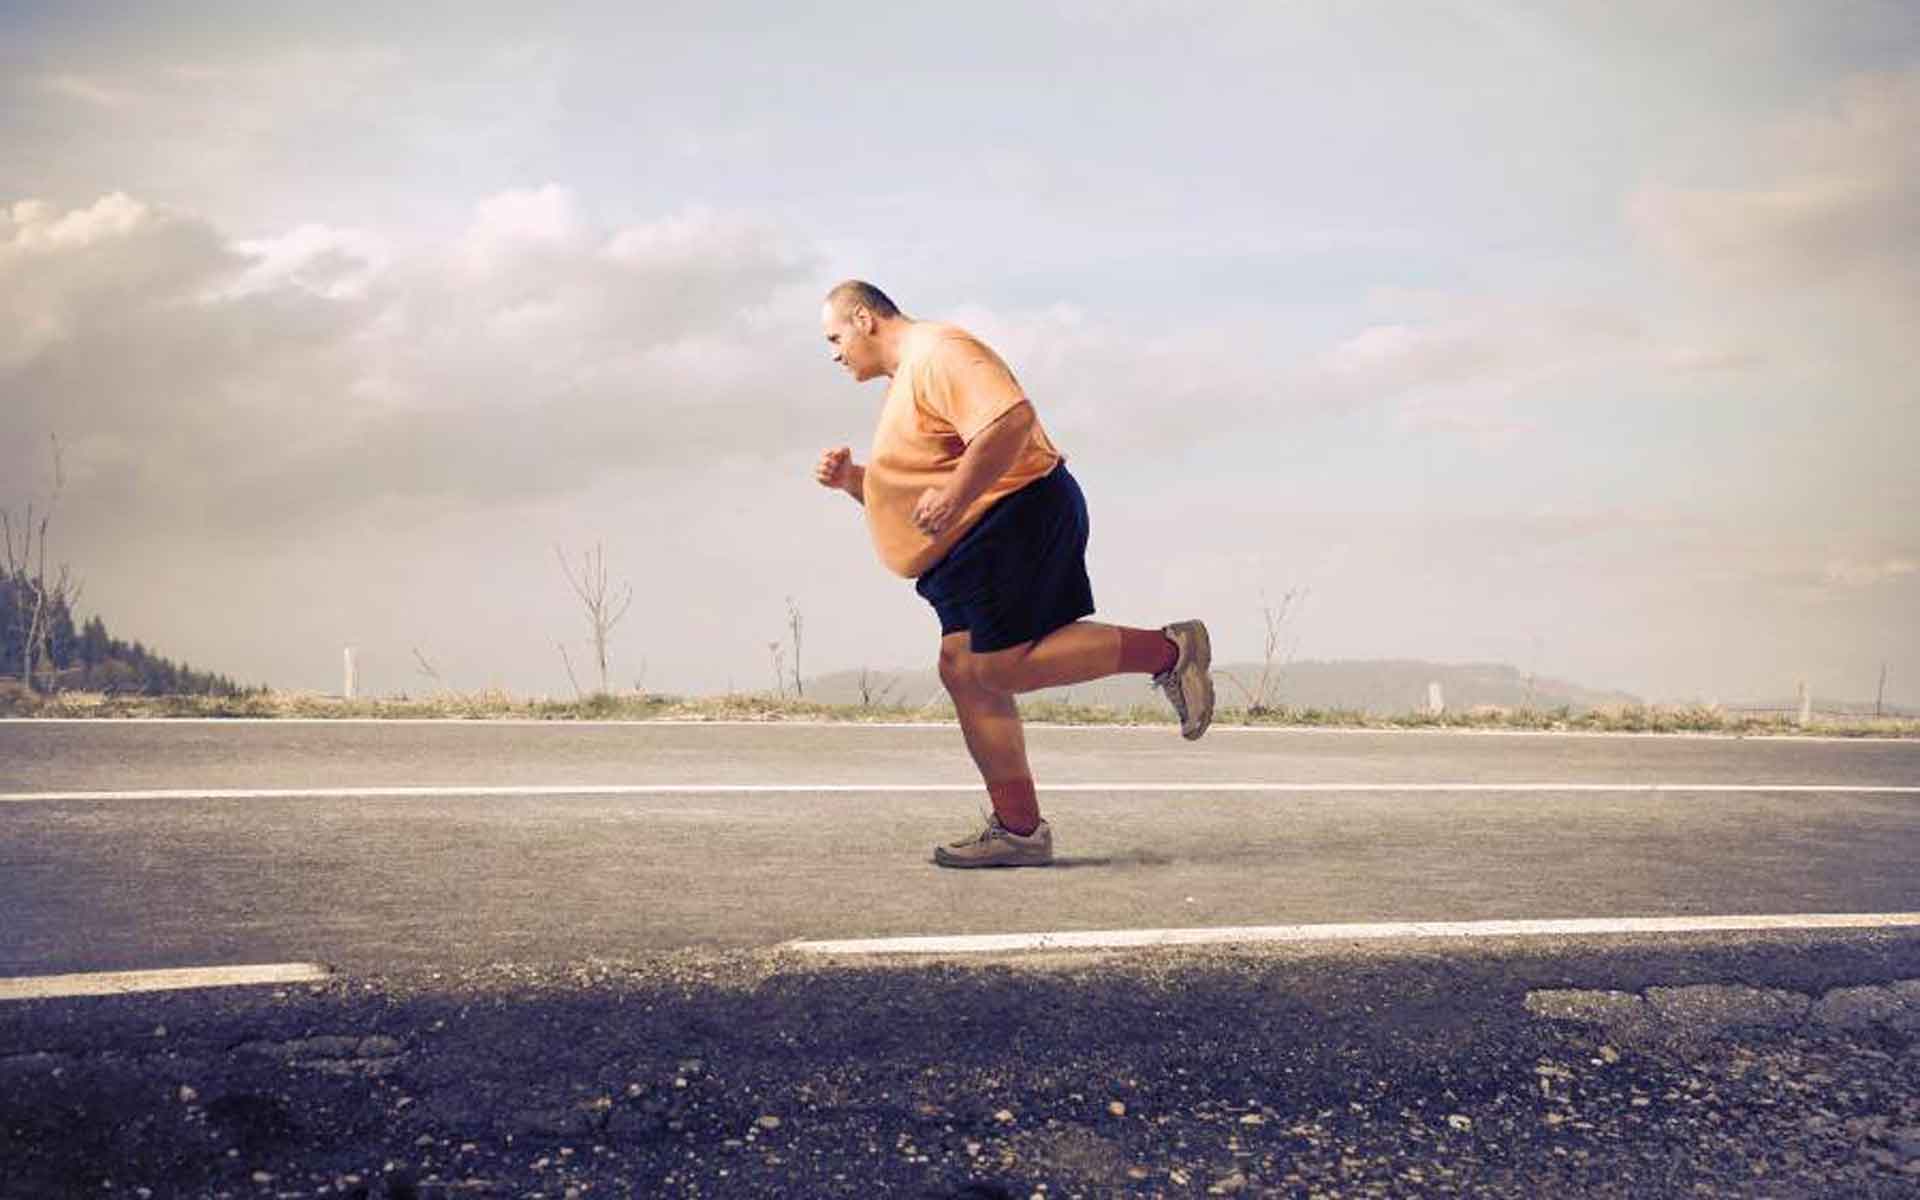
1580,336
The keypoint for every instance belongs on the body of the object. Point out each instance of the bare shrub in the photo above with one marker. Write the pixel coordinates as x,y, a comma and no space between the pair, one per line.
603,611
37,600
1277,654
794,622
872,691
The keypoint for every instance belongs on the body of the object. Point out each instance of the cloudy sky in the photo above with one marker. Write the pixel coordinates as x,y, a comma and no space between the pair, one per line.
1578,336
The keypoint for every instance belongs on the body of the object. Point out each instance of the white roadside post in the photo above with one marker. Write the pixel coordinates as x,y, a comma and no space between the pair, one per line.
1436,703
1806,705
348,690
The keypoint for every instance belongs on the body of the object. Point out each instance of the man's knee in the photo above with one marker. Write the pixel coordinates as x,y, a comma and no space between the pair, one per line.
1000,671
956,667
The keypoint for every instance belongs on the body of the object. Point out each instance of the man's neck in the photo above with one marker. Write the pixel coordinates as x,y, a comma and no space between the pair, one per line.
893,338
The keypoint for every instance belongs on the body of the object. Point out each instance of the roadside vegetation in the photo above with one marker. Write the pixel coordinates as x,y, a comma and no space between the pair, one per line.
16,701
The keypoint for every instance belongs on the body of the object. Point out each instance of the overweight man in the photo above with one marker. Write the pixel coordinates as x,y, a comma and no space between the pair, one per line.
966,495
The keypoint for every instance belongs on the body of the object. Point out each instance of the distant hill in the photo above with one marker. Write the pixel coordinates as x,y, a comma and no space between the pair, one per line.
1384,686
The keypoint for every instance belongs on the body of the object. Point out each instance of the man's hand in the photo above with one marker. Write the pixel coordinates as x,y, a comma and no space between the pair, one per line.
936,511
835,468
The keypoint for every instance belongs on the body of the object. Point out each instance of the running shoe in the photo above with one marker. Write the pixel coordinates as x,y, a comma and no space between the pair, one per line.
998,846
1188,684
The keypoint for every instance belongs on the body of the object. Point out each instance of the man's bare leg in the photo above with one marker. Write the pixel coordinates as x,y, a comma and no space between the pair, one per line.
990,723
1076,653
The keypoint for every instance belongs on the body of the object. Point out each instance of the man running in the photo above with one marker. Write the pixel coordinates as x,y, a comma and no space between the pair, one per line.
965,493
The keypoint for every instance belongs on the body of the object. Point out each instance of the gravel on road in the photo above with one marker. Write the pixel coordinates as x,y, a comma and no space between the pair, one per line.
1768,1066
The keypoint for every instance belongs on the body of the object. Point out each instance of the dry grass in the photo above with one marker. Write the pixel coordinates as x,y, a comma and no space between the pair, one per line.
490,705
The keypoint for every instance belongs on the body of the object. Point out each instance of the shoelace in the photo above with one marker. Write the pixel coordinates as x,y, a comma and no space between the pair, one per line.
992,830
1168,682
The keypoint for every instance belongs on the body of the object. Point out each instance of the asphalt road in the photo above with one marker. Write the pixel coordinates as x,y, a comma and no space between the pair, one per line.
576,995
385,882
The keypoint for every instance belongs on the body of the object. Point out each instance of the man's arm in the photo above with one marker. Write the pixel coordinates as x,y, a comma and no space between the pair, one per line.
990,454
856,484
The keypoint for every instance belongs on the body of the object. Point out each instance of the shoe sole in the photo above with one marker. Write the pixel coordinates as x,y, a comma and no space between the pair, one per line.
960,864
1203,659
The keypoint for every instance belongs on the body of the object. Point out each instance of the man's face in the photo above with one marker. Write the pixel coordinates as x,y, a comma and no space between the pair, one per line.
850,334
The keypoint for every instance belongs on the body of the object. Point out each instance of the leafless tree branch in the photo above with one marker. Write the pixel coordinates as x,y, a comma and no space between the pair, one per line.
794,622
45,598
1276,653
870,694
603,612
779,668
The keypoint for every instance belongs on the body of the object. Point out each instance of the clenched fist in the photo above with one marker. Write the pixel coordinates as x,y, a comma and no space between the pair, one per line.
935,511
835,468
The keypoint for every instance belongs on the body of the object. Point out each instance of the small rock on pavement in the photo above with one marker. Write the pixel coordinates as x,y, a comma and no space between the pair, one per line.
1227,1185
188,1095
1905,1141
1117,1109
1460,1121
768,1122
1003,1116
547,1122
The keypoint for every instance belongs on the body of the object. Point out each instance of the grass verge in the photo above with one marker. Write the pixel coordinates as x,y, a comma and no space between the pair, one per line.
495,705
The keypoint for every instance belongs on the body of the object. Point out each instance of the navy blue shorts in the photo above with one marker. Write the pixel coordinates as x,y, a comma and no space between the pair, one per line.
1019,574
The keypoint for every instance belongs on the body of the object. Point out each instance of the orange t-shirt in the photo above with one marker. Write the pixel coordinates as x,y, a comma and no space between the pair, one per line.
948,387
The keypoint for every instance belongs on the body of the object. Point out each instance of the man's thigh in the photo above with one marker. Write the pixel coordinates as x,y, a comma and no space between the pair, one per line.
958,658
996,668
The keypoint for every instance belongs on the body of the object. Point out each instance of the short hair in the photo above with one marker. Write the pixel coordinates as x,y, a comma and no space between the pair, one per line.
844,296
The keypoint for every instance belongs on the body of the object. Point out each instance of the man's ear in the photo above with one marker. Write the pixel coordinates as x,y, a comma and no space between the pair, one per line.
863,319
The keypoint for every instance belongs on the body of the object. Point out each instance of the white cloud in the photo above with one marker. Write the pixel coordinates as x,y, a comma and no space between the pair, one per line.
1385,360
244,384
34,225
1853,574
1831,196
1709,359
59,269
698,238
516,221
340,264
1476,367
90,91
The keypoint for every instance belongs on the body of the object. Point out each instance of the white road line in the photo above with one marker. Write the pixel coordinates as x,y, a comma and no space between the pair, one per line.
751,789
736,723
115,983
1249,934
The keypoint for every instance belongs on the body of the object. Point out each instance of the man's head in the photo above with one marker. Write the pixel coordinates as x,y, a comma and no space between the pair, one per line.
862,326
